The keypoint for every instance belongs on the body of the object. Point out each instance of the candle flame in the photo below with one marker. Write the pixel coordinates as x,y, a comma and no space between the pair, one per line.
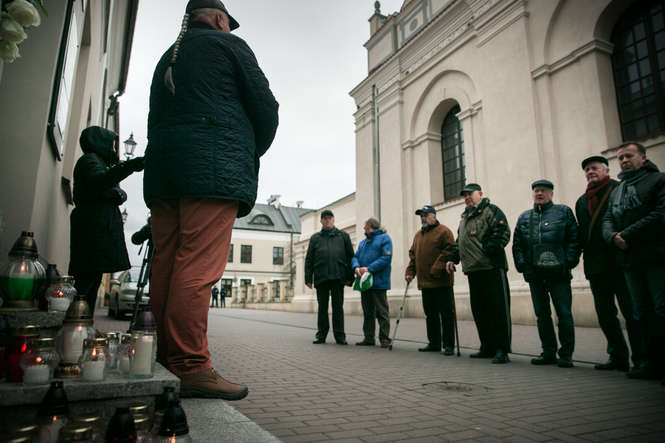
172,439
24,348
55,418
38,359
94,352
80,328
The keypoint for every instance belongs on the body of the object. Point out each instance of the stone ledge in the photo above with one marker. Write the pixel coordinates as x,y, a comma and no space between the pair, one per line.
115,386
45,320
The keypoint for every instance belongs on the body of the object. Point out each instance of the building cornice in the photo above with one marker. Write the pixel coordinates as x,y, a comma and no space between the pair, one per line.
592,46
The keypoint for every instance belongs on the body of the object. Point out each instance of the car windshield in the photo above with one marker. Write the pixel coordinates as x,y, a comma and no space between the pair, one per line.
134,274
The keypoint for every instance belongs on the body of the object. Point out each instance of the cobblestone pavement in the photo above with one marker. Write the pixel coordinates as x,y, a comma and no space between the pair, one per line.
303,392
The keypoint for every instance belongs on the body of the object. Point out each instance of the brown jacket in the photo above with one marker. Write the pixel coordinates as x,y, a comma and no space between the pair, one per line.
428,256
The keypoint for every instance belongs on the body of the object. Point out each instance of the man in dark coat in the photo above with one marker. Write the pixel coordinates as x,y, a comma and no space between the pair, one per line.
545,249
212,116
482,236
600,267
431,249
97,239
328,266
635,225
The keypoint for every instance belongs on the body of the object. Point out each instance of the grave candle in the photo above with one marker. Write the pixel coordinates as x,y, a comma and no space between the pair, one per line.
36,375
141,361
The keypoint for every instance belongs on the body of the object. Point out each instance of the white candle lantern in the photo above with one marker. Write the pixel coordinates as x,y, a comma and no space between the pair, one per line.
93,360
143,349
39,361
76,328
60,293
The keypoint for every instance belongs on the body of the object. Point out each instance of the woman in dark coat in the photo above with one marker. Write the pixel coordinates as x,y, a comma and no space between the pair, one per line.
97,241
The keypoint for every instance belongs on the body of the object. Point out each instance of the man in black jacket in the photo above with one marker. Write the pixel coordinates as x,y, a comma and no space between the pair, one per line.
600,267
328,266
545,249
635,225
212,116
97,240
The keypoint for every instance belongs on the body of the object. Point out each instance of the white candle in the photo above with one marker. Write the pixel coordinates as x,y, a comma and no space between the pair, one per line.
141,363
49,433
73,344
93,370
58,304
124,364
35,375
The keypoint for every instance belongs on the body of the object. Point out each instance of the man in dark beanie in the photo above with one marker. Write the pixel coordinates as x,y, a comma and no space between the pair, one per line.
545,250
97,240
634,225
601,269
328,267
212,116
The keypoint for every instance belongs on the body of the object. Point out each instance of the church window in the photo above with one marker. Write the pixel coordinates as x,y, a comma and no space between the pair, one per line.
452,147
638,63
261,220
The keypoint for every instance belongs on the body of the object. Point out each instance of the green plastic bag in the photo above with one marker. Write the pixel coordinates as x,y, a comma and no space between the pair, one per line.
363,283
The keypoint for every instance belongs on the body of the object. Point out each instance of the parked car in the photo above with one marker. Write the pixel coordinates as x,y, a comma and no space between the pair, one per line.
123,293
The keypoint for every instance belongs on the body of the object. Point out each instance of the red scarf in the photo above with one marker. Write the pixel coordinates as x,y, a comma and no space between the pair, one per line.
592,193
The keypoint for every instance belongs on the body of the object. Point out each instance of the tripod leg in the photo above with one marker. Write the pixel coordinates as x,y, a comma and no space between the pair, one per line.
144,276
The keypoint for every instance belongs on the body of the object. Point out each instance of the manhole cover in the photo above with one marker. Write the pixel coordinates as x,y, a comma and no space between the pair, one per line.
456,387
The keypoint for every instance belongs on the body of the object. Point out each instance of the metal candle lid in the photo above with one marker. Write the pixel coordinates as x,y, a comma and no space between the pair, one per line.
42,343
98,342
76,432
26,331
78,312
25,245
144,322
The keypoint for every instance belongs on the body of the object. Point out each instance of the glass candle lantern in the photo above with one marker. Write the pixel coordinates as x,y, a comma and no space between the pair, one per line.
39,361
49,428
123,353
60,293
143,351
93,360
93,420
112,350
23,277
76,328
51,274
17,347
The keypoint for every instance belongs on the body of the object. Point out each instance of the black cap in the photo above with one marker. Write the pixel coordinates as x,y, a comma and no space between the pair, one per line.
427,209
594,158
327,213
193,5
469,188
542,182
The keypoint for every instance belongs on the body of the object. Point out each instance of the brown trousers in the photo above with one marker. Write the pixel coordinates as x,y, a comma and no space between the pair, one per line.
191,238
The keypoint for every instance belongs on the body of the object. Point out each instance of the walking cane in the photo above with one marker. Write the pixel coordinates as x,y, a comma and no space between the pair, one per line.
455,321
399,315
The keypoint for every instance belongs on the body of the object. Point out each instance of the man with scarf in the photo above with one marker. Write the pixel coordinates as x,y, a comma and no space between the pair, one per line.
482,235
635,225
600,268
431,249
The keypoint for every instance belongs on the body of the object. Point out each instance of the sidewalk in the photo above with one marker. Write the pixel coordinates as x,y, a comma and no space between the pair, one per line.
304,392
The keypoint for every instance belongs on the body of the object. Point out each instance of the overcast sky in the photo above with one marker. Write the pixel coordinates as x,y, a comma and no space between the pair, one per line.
312,53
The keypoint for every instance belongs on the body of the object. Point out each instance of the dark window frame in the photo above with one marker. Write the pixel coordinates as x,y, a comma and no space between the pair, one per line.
246,254
230,259
453,164
277,255
262,220
639,76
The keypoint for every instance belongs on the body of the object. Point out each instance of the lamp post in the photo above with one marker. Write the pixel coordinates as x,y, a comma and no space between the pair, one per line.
130,146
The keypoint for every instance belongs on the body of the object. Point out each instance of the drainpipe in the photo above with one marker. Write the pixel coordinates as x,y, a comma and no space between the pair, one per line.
377,164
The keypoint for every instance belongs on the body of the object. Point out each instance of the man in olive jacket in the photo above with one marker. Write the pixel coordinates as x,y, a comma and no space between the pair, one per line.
431,249
635,225
328,266
545,250
97,240
482,235
601,269
212,116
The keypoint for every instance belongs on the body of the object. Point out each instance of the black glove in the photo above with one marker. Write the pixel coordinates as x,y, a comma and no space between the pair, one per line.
136,164
115,195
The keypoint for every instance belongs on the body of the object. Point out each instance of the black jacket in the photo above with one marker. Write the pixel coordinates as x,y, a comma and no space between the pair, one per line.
206,140
329,257
97,240
599,257
545,224
637,211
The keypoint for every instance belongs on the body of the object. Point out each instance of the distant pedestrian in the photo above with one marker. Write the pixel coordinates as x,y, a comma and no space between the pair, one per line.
608,285
97,239
327,268
222,297
545,250
212,116
374,256
432,247
635,225
215,297
482,236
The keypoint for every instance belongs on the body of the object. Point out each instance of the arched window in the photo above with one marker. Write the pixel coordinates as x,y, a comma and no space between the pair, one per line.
261,220
638,63
452,153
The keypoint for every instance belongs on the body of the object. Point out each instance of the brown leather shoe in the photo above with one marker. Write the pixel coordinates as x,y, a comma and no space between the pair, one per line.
209,384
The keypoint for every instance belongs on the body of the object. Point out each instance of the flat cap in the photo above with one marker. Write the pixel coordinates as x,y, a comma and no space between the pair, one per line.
193,5
594,158
542,182
327,213
427,209
469,188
